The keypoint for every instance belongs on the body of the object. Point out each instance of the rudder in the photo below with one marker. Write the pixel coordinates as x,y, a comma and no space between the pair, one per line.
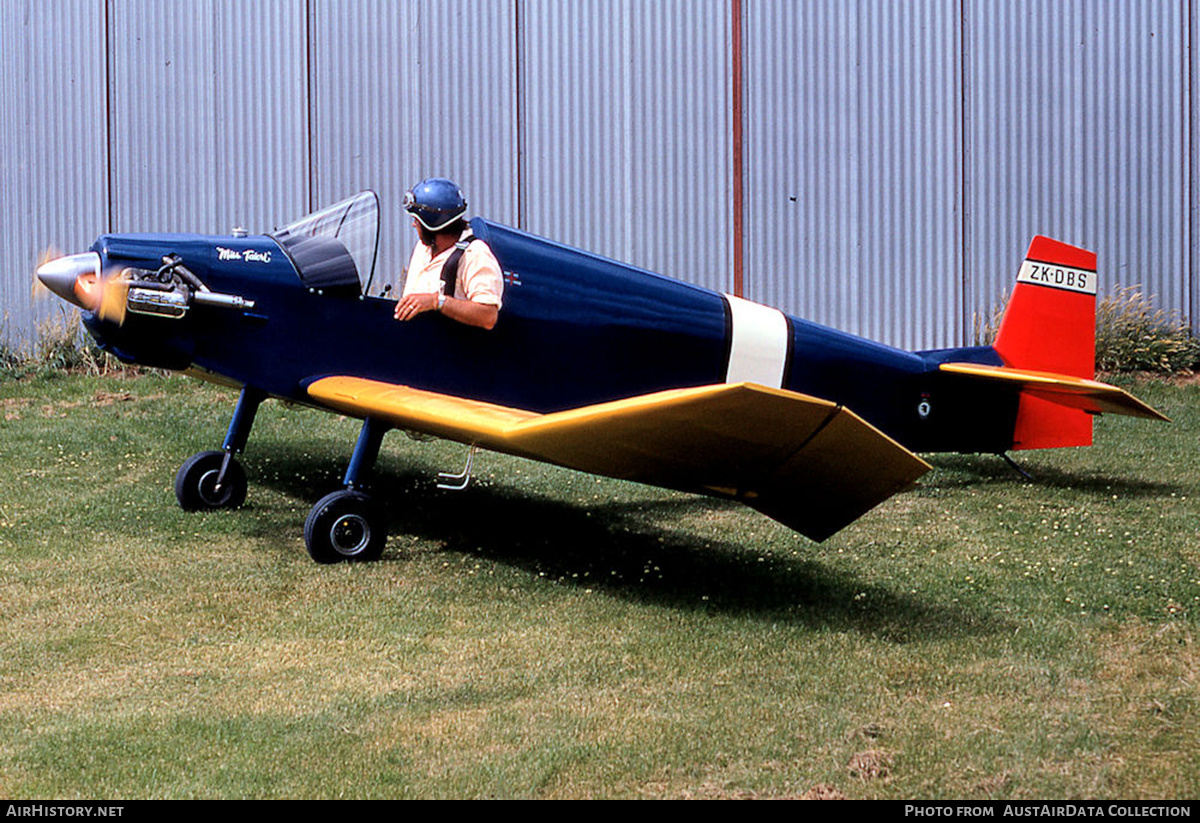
1049,325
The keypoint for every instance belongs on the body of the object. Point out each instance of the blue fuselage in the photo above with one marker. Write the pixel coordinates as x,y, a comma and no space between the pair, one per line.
575,329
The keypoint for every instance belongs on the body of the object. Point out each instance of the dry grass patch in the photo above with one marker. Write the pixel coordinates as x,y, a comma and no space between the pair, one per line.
823,791
872,764
1150,684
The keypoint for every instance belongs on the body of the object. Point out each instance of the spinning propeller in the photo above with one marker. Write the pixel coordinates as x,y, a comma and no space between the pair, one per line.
78,279
47,254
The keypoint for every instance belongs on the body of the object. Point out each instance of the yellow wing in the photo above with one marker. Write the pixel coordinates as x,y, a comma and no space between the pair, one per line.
1075,392
808,463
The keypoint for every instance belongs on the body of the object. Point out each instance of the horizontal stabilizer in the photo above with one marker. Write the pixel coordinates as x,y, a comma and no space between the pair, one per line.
1074,392
808,463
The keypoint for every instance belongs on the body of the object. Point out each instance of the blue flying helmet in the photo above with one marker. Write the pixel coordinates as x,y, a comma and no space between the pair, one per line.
436,202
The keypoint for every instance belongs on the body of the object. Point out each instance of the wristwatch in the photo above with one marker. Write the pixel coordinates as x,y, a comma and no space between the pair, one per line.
441,301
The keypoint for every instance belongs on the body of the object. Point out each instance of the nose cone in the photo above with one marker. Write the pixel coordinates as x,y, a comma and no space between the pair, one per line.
61,276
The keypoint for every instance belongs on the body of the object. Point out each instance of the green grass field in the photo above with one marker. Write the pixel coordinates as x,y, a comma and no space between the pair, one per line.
550,634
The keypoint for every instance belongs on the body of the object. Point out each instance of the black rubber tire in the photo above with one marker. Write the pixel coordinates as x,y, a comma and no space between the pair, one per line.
345,526
196,478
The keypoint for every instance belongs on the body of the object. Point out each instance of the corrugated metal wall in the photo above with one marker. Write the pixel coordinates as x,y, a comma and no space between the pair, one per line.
897,155
853,170
1078,126
209,114
1193,130
625,114
53,155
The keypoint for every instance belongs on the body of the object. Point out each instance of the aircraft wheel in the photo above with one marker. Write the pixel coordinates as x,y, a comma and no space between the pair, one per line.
345,525
196,483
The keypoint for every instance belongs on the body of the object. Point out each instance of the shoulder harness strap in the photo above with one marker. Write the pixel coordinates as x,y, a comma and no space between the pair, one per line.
450,269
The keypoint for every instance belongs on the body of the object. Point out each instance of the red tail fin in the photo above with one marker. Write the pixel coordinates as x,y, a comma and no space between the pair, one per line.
1050,326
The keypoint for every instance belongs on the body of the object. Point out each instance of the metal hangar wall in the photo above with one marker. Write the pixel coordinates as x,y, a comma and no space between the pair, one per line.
876,166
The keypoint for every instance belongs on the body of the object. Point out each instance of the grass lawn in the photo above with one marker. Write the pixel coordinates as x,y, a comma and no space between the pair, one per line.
550,634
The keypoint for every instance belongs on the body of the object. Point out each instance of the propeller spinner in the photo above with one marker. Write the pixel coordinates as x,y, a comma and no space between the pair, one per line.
77,278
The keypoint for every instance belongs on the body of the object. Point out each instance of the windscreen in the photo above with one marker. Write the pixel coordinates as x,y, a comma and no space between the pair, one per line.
319,242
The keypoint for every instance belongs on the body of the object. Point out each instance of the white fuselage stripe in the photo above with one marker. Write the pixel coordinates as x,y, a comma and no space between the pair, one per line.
758,345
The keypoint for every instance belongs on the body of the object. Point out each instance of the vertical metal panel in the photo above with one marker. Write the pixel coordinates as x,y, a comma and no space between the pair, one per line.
53,179
1025,124
1193,140
625,111
1136,144
415,89
853,178
1077,128
163,98
209,114
911,187
261,113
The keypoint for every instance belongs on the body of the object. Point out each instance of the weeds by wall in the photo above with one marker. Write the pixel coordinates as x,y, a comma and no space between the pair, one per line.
60,346
1132,335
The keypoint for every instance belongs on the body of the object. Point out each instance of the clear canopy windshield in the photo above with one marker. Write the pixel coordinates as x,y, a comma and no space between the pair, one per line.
335,248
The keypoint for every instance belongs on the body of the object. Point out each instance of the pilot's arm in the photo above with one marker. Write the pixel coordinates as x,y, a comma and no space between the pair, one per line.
467,312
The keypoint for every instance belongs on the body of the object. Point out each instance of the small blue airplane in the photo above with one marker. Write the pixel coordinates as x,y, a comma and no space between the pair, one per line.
593,364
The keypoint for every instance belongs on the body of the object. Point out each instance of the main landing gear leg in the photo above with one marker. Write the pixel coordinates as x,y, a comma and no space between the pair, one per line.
213,479
350,524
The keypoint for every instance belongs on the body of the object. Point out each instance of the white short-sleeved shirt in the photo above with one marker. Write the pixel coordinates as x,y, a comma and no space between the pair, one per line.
479,278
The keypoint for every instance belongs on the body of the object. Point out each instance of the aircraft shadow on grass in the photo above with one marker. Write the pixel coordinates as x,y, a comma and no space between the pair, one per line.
629,549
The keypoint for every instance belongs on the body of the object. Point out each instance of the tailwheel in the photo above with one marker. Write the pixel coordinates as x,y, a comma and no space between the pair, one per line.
197,487
345,525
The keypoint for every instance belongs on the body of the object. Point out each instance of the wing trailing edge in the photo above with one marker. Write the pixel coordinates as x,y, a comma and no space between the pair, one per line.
808,463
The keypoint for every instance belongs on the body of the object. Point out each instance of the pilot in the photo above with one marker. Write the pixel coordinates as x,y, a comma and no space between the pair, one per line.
450,271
